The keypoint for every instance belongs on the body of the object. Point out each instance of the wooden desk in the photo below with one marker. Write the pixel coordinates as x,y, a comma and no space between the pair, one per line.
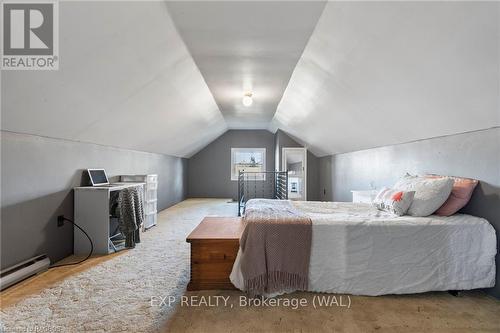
214,246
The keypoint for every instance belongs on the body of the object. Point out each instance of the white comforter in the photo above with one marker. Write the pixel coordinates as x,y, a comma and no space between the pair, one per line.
359,250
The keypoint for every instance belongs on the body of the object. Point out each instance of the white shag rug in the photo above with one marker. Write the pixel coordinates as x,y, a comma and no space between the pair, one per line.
115,296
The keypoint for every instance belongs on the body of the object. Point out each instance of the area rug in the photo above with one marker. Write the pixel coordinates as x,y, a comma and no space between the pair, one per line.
115,296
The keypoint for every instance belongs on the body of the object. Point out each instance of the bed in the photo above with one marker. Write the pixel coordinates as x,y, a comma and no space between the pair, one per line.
359,250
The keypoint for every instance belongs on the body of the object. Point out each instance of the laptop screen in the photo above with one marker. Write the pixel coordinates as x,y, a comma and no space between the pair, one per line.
98,177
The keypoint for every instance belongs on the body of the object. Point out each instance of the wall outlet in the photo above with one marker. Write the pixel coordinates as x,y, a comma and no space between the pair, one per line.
60,220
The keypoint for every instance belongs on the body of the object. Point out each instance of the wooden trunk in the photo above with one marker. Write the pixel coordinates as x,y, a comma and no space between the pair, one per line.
214,246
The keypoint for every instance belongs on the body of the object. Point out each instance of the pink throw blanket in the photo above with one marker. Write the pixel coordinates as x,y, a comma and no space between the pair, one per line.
276,247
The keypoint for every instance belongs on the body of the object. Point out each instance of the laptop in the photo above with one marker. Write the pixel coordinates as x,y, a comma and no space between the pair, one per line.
98,177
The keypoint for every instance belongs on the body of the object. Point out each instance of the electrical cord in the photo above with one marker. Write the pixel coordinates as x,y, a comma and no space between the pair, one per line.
62,218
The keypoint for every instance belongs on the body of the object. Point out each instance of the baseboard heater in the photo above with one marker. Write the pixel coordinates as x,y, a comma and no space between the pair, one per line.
23,270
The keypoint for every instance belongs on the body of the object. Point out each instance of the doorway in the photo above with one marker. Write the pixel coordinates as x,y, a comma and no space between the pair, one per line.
294,160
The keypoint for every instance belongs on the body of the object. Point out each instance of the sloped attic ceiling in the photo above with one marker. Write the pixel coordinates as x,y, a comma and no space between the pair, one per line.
371,73
379,73
246,46
125,79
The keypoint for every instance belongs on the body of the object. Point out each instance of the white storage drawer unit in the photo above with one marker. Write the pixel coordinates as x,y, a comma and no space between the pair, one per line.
152,179
150,207
150,197
150,220
364,196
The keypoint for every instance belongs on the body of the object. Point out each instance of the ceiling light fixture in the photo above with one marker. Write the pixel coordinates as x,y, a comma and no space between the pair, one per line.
247,99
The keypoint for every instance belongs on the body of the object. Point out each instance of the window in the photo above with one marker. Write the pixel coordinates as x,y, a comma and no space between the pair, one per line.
248,159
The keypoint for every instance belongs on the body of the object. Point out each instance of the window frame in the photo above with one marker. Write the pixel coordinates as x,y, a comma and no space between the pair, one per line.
234,150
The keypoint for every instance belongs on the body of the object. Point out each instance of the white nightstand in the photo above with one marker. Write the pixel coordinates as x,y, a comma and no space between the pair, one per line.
364,196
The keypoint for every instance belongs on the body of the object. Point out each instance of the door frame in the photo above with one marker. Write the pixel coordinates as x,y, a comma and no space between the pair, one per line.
303,150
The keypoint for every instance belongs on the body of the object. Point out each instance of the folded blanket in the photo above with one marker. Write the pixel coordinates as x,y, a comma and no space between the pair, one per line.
276,247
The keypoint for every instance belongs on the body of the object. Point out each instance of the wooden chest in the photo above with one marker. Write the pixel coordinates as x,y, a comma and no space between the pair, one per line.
214,246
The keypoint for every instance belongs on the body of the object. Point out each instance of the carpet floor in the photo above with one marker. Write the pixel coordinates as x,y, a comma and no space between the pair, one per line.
144,290
115,296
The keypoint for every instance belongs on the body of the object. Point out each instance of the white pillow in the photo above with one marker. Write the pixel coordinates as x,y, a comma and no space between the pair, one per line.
393,201
430,194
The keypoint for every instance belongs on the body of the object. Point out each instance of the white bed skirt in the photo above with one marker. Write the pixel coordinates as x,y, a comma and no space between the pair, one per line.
359,250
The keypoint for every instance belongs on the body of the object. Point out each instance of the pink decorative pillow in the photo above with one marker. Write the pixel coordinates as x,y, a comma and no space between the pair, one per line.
393,201
459,197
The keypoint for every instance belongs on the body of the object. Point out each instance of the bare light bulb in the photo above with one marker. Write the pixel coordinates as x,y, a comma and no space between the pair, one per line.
247,99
